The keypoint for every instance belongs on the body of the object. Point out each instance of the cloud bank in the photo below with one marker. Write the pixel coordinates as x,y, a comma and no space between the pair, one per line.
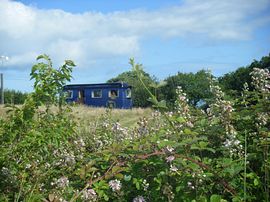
26,31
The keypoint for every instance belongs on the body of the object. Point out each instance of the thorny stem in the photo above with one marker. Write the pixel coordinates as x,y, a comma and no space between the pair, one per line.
152,96
245,172
220,180
266,171
91,181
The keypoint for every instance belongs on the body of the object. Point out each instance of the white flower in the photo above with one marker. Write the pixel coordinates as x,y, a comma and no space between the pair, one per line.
190,185
169,149
62,182
89,194
27,166
145,185
115,185
173,168
139,199
169,159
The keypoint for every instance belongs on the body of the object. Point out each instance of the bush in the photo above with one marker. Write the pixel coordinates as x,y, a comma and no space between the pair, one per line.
220,154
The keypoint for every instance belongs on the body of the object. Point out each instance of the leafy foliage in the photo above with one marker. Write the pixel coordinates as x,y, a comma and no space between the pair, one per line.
221,154
196,86
233,82
14,97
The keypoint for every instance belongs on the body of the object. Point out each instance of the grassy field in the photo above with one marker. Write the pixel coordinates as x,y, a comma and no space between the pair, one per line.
126,117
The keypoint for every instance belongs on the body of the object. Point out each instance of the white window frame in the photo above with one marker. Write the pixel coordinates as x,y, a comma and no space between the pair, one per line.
128,95
92,93
109,93
71,93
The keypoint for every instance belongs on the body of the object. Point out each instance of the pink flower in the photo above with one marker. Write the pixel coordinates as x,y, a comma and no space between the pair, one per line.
169,159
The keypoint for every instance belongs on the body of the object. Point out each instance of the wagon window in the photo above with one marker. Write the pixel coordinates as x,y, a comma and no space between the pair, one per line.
96,94
69,94
128,93
113,93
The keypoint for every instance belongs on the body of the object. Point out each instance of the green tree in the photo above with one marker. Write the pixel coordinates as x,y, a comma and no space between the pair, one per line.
49,81
14,97
233,82
195,85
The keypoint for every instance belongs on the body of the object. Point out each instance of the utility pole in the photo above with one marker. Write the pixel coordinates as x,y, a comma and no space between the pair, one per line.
2,58
2,88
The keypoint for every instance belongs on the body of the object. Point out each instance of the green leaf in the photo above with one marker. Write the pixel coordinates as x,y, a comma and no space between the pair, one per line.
215,198
256,182
70,63
180,119
187,131
115,169
127,178
177,189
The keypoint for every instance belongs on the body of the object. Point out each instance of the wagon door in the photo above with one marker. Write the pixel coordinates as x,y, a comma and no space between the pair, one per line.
81,96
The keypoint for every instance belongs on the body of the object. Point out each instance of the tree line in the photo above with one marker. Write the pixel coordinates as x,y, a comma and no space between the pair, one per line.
14,96
195,85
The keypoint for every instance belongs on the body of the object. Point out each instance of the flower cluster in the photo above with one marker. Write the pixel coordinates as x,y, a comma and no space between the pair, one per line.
142,129
115,185
89,195
145,185
182,107
221,109
263,118
61,182
139,199
80,142
120,132
261,79
66,158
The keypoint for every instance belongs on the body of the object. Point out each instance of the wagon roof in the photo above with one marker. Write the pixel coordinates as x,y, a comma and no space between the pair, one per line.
100,85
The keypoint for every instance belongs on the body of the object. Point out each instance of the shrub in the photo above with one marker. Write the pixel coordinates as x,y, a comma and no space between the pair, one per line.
187,154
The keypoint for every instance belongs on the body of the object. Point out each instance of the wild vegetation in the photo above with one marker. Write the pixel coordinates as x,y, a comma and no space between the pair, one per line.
14,97
184,154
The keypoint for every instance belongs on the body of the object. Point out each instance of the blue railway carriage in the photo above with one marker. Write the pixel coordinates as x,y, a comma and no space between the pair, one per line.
114,95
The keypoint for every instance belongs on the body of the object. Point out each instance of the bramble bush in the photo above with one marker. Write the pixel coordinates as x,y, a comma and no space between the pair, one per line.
220,154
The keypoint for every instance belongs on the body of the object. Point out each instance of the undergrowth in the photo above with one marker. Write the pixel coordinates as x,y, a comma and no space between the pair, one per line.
184,154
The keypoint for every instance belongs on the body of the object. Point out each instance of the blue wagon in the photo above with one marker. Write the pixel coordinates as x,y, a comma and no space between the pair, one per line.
114,95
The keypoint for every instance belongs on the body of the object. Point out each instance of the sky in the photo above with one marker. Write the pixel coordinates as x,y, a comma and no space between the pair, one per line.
166,36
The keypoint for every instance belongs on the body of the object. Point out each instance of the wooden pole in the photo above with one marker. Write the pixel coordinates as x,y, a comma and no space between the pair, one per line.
2,88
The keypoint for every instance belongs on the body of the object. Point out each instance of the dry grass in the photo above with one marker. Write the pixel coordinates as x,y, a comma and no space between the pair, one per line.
126,117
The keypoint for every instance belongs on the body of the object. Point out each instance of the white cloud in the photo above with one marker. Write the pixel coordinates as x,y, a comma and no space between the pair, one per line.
26,30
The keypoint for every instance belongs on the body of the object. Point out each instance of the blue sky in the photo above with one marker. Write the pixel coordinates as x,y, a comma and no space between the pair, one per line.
100,36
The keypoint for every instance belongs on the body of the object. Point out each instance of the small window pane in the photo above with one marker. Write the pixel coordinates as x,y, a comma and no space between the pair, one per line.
128,93
96,94
113,93
69,94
